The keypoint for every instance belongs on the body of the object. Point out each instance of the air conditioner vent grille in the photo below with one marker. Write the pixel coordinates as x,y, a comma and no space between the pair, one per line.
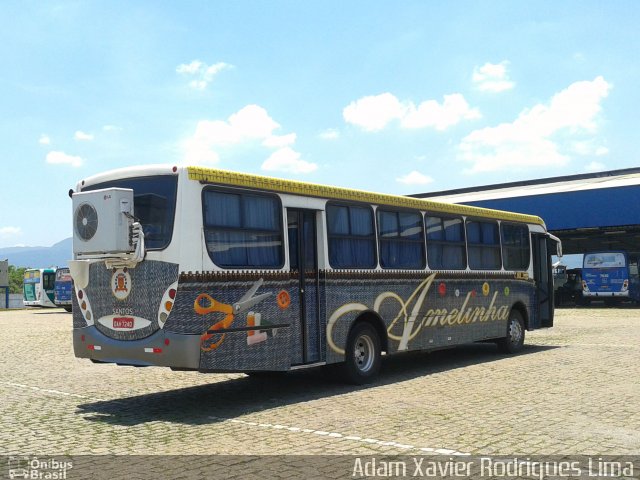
86,221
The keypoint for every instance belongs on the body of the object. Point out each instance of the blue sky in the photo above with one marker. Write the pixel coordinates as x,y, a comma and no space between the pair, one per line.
398,97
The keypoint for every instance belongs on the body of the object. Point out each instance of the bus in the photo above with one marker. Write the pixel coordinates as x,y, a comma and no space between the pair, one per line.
38,287
63,288
214,271
611,276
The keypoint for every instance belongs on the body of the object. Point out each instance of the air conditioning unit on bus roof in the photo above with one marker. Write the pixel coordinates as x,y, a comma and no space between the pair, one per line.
102,221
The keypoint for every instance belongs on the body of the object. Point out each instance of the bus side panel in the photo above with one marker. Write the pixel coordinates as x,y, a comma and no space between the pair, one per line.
430,312
237,336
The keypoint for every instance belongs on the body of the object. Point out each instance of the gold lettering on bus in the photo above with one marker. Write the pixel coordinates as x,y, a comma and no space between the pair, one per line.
411,320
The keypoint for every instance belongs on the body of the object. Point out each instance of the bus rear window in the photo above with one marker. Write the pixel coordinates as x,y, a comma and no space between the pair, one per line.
604,260
154,204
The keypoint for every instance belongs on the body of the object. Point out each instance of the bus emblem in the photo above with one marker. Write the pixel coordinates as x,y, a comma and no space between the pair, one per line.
121,284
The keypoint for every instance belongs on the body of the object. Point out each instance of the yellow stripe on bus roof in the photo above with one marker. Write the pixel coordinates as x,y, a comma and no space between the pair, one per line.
224,177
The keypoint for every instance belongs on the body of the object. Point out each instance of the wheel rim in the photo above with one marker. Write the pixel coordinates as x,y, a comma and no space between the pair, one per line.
515,332
363,353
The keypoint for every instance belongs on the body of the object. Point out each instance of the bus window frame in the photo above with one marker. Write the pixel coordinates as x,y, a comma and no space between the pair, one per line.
241,192
463,243
421,240
497,246
525,226
374,236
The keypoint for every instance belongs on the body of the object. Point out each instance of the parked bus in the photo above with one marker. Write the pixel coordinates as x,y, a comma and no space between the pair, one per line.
611,276
202,269
38,287
63,288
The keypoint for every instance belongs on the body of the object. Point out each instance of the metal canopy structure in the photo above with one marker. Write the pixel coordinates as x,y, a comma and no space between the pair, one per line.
599,211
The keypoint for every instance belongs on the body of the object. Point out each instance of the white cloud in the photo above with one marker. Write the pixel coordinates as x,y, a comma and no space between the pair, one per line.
82,136
6,232
192,68
329,134
453,110
197,151
414,178
595,167
250,125
540,136
202,73
44,140
279,141
589,147
288,160
376,112
492,77
61,158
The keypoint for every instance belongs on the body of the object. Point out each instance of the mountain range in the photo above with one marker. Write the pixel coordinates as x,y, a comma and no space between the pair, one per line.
57,255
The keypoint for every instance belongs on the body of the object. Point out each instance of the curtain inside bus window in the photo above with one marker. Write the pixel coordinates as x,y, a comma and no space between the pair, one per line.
445,243
401,240
516,251
351,236
483,243
222,210
243,230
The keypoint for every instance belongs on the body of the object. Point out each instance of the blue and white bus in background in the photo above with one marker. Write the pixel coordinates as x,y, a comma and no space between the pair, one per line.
63,288
38,287
611,276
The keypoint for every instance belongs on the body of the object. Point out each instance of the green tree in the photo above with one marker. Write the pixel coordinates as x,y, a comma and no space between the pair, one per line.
16,276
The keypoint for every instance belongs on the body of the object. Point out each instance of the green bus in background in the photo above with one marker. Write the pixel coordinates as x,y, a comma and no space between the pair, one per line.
38,287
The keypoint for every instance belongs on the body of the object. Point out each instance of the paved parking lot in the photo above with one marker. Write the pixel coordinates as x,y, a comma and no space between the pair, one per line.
574,390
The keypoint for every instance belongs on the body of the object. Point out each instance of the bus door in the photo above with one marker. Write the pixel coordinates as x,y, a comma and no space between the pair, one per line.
303,259
542,251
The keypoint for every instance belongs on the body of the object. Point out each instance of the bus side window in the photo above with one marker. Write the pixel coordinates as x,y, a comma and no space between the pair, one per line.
401,239
446,243
483,245
243,230
516,250
351,235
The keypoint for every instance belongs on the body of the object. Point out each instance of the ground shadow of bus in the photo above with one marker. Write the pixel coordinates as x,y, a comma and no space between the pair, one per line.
228,399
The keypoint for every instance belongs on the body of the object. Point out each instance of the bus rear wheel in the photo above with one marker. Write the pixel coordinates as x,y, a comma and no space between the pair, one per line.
362,360
514,339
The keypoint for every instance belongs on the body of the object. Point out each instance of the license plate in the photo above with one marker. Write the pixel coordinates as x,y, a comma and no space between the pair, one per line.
123,322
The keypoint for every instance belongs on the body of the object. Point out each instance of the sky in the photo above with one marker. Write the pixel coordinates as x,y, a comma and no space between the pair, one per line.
394,97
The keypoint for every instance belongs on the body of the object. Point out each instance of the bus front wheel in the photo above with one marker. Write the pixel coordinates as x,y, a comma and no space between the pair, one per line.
362,358
514,340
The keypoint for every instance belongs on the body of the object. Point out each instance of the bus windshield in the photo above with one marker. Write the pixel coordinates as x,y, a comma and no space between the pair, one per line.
154,203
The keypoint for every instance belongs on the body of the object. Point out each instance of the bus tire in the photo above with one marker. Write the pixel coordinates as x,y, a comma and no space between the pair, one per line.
362,354
514,339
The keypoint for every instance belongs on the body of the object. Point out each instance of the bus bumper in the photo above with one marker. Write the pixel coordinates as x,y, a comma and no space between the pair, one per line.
163,349
605,294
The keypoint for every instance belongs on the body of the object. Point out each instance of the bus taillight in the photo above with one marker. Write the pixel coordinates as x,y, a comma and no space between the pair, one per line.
625,285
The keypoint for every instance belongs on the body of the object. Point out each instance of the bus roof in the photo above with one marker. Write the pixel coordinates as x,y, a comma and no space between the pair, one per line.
224,177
